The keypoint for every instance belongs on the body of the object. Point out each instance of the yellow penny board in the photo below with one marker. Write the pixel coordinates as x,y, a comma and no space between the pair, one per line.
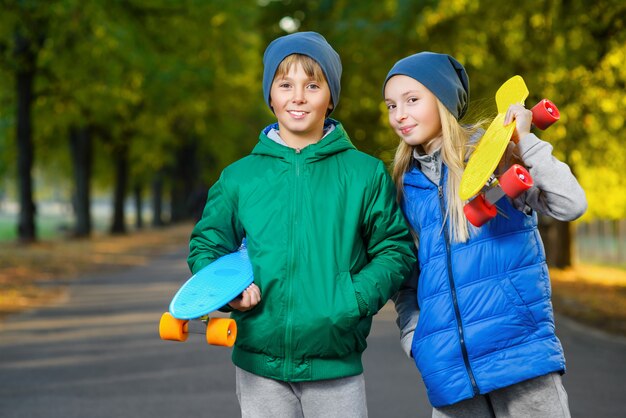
487,155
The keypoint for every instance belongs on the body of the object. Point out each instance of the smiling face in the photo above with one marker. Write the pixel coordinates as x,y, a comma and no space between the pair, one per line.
300,98
413,112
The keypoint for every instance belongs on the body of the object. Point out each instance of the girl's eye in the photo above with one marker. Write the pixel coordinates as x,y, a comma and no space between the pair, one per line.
390,106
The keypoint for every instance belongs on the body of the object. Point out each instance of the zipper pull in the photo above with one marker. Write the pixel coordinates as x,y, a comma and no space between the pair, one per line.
298,150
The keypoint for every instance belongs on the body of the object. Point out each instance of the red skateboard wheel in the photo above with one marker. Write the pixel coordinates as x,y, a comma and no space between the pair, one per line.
515,181
479,211
545,113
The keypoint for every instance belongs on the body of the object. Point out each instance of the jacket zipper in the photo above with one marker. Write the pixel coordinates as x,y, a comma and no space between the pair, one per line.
455,303
288,369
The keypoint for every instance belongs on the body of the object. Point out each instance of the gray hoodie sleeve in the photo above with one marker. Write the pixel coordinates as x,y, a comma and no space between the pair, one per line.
556,191
405,301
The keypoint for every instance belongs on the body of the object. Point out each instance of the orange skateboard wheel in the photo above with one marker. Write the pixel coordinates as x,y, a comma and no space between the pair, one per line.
173,329
221,331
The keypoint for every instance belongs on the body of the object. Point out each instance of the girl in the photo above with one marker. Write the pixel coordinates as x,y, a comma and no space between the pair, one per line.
485,343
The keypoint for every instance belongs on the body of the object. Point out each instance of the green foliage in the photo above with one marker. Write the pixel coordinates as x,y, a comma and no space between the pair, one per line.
179,83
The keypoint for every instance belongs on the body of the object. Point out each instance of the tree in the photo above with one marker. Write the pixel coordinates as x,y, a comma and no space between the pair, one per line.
81,150
164,89
22,36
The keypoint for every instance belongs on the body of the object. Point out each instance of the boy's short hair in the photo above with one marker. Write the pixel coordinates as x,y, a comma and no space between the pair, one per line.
311,44
311,68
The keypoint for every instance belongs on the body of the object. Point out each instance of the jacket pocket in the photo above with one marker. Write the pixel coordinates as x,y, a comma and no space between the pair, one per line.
328,320
518,304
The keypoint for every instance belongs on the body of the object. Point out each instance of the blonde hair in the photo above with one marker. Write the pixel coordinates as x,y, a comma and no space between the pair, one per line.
455,148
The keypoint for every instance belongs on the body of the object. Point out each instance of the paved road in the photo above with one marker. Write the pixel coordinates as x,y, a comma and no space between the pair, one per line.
97,354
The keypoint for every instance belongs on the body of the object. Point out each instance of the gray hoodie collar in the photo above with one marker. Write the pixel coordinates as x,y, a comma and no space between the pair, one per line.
274,135
430,164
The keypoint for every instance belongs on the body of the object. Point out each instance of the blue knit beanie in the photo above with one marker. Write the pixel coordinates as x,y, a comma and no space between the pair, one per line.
444,76
311,44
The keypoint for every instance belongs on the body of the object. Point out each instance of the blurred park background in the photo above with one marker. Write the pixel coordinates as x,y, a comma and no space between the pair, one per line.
117,116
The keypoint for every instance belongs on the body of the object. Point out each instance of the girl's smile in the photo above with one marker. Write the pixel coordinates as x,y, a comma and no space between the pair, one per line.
407,129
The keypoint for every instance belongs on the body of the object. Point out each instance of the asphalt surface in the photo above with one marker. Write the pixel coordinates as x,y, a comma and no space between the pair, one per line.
97,354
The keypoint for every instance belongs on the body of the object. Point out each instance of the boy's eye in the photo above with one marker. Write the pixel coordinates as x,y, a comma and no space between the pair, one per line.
314,86
284,85
412,99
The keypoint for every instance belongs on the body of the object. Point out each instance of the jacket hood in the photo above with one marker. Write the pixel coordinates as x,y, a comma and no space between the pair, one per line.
335,142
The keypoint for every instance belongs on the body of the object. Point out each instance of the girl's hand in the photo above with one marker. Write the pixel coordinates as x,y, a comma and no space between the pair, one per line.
248,299
523,118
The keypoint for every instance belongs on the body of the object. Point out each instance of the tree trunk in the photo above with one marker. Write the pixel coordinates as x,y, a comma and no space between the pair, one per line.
138,207
558,240
82,158
562,244
178,205
118,225
157,200
184,177
25,76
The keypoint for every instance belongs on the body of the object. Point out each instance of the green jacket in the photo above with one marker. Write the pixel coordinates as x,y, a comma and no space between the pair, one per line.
328,246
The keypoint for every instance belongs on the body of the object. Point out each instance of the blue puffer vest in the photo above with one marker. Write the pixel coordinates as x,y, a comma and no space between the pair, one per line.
486,318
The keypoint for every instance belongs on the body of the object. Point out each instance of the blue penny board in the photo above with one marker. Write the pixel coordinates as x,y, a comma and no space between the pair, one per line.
213,286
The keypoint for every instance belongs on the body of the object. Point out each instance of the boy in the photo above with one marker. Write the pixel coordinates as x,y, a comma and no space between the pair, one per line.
327,242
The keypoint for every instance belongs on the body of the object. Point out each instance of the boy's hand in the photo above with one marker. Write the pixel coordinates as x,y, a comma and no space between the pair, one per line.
523,118
248,299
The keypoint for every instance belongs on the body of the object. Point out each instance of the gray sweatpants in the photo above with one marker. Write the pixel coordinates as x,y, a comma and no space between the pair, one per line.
263,397
541,397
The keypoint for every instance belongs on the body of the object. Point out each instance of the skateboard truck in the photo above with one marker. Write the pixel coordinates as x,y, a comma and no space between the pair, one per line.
512,183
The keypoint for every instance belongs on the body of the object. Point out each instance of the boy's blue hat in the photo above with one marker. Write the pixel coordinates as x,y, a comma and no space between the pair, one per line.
444,76
311,44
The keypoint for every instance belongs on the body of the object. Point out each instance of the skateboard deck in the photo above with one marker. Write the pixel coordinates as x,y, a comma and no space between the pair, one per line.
213,286
479,181
206,291
487,155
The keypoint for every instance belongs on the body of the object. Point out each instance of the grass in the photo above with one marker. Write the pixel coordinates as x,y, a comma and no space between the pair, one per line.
35,275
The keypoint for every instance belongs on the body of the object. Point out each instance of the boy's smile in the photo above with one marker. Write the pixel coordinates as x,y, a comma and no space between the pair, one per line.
300,104
297,114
